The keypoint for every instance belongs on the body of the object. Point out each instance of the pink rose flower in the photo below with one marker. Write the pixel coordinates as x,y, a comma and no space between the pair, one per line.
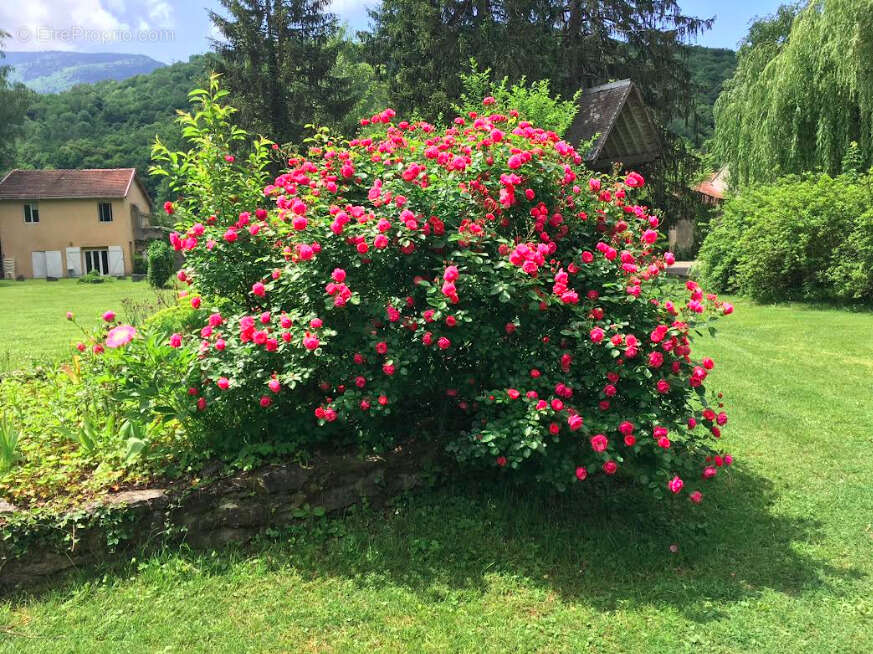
599,443
120,336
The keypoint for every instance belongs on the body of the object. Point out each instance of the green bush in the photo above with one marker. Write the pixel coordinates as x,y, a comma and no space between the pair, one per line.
532,100
140,265
161,263
474,285
92,277
852,275
797,239
181,317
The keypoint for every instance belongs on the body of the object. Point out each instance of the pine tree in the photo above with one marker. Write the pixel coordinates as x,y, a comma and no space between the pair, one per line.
279,60
424,46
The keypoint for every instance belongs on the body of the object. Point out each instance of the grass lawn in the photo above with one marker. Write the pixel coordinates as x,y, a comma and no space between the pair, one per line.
32,324
779,558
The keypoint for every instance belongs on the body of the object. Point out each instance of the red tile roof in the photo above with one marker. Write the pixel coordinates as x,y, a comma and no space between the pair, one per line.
710,189
62,184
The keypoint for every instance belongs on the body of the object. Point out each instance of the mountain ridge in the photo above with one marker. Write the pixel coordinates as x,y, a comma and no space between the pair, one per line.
54,71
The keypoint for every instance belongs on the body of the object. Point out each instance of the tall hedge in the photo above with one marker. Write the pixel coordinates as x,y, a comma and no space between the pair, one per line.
799,238
161,263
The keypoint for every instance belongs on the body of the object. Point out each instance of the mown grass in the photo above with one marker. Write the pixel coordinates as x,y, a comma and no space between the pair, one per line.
779,558
32,324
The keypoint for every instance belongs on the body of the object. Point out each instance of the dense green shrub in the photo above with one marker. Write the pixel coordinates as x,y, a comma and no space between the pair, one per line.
161,263
181,317
473,284
852,272
140,264
799,238
92,277
533,100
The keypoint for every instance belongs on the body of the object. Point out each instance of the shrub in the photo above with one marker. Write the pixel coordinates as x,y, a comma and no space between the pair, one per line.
140,265
852,271
532,100
92,277
9,435
181,317
161,264
474,285
796,239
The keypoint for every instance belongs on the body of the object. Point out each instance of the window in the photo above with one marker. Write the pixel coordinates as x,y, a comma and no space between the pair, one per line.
96,260
31,212
104,211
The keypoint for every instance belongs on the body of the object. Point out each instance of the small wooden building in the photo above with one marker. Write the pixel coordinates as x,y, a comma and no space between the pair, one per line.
616,114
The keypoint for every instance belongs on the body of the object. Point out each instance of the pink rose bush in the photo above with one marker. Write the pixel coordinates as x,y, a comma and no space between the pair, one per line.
474,284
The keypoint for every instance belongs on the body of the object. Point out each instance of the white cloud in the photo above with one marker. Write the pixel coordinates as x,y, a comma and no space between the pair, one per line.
79,24
160,12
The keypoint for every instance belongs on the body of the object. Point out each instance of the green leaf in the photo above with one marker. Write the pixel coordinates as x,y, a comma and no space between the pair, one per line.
135,446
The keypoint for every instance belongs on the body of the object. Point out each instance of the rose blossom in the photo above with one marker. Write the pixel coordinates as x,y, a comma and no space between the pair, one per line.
120,336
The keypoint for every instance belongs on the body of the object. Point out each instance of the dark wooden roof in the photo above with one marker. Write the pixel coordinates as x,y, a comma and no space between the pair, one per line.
615,112
67,184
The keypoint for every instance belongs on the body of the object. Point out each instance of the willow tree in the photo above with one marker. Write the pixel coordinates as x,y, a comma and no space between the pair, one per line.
802,92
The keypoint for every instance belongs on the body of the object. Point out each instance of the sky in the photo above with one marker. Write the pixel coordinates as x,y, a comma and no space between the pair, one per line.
172,30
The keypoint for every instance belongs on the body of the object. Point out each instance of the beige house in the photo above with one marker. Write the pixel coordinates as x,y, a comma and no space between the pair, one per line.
65,223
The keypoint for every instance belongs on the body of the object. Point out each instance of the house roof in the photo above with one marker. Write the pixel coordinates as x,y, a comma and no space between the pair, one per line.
69,184
616,114
716,185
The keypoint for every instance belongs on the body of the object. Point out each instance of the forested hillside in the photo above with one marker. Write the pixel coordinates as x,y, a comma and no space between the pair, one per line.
109,124
709,68
53,71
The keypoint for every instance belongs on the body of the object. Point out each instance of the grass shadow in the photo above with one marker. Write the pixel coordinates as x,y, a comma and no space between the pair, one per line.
608,548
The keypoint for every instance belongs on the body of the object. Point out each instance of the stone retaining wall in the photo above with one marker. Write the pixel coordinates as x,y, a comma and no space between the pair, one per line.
232,509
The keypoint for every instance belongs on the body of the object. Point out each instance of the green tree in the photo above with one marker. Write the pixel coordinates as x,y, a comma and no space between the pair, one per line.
709,68
802,92
14,100
422,46
853,160
279,58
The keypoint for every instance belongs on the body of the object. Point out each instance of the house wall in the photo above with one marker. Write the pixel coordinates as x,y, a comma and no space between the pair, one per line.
137,197
67,223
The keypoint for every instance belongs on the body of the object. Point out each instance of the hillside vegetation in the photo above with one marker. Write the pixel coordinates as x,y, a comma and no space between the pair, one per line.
53,71
709,68
109,124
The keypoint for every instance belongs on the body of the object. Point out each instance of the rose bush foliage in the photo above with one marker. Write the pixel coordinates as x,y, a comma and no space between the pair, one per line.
473,284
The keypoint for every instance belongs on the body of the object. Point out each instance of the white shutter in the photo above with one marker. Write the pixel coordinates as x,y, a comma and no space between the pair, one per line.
37,262
54,267
74,262
116,261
